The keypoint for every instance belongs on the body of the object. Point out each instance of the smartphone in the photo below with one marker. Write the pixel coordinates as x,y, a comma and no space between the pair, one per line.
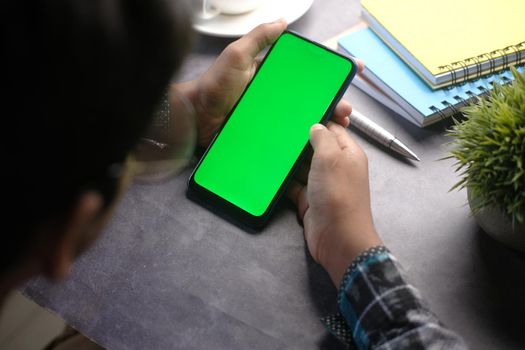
263,140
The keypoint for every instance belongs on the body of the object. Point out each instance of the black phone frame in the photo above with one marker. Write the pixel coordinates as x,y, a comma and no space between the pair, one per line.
228,210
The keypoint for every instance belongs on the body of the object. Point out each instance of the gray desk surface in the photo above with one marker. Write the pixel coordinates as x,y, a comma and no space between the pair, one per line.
169,274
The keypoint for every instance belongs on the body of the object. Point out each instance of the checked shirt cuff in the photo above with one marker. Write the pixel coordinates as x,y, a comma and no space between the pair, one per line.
382,310
337,324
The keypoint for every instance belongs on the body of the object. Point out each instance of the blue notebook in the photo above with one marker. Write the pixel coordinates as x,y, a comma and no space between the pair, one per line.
385,70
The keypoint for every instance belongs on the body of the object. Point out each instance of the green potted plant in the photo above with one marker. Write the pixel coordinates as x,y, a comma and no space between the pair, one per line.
489,146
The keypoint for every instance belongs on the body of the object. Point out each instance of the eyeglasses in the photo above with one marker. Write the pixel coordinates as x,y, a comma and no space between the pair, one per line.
169,143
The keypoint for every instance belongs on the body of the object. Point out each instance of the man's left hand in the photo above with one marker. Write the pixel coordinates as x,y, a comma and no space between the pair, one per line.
216,91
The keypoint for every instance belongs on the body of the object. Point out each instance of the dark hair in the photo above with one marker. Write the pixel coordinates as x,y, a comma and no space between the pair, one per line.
81,79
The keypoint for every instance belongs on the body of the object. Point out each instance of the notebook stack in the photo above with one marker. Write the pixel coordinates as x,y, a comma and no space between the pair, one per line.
427,59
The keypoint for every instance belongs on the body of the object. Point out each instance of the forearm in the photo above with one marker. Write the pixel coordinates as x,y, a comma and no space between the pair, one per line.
383,311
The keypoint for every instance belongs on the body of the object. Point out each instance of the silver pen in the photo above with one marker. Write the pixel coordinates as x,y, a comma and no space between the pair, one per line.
368,127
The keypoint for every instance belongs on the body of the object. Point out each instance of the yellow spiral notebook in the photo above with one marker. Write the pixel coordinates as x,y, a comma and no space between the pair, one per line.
449,41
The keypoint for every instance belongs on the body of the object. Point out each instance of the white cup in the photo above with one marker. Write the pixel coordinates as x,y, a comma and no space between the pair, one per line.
212,8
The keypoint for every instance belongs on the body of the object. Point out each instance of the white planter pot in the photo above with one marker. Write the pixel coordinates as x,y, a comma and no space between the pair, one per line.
494,222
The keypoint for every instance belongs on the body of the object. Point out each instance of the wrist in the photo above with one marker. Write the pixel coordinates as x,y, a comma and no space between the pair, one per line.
205,129
347,243
189,90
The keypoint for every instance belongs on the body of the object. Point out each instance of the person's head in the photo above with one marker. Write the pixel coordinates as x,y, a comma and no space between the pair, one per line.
81,79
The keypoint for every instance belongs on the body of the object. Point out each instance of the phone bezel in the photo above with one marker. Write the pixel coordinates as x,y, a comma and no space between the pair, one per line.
230,211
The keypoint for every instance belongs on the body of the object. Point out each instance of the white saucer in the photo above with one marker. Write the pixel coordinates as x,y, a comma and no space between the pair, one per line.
231,26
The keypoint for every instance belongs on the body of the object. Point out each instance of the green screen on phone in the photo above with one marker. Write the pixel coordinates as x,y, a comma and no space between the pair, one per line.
269,128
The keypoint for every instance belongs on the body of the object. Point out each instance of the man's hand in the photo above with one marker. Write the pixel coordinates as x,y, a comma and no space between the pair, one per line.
216,91
335,205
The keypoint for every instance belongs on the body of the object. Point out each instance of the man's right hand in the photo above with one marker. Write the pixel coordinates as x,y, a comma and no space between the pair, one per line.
335,204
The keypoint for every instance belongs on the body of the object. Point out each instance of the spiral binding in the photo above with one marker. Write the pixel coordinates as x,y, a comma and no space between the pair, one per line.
454,108
478,60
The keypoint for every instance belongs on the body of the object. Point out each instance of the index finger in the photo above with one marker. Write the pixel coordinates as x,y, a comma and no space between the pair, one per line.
260,37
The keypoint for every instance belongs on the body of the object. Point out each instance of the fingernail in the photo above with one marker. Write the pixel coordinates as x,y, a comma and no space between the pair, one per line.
318,127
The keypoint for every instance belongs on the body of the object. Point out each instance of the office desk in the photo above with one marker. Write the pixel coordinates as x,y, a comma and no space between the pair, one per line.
169,274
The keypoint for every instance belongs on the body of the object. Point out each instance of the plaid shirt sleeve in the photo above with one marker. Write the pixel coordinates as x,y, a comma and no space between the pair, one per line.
380,310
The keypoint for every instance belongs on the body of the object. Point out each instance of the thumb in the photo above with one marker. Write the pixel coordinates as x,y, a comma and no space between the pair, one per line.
260,37
323,139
